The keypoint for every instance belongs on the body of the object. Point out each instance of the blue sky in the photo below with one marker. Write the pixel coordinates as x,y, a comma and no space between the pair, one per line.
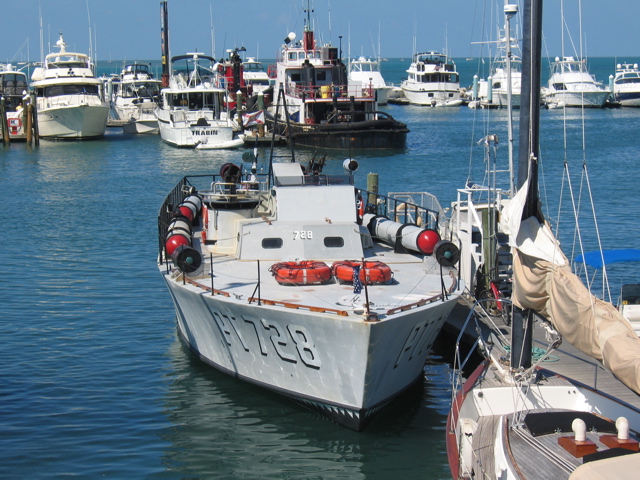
130,29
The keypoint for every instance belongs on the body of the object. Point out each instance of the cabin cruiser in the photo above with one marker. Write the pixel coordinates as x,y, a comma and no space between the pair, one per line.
13,88
433,81
194,111
366,72
137,93
571,85
626,85
70,100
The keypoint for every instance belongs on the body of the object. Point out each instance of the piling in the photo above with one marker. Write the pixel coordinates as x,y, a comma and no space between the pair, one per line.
34,119
372,186
260,107
3,118
239,108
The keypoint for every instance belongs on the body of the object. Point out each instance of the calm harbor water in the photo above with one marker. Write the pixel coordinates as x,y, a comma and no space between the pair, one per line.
94,382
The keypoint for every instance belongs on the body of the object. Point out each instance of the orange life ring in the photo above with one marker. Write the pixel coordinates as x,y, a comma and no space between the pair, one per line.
360,207
372,273
205,223
301,273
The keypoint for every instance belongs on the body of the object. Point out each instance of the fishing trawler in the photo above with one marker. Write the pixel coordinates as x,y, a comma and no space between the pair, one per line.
304,284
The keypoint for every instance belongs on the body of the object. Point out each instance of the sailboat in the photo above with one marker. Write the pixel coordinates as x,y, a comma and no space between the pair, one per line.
513,418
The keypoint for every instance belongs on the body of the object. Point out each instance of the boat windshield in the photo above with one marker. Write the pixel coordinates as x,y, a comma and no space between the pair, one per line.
140,89
13,83
58,90
253,67
435,58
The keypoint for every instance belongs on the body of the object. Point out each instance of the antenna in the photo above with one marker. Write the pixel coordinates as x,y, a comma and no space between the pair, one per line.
91,55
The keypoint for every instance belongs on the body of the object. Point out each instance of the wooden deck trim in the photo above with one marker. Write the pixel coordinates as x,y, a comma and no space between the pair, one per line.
341,313
204,287
409,306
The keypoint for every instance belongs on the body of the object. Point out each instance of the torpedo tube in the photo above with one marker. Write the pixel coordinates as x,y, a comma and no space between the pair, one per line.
403,236
190,207
186,258
178,234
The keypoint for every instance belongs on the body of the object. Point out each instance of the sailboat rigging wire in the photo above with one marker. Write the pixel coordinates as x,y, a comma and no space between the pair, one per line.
605,277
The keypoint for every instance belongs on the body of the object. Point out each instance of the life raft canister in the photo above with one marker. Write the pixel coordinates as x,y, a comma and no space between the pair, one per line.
373,272
307,272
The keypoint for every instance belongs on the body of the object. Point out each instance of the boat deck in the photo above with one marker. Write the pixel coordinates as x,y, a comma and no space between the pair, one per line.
538,454
566,361
238,280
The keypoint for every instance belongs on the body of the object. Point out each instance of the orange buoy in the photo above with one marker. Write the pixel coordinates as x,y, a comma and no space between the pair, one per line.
372,273
301,273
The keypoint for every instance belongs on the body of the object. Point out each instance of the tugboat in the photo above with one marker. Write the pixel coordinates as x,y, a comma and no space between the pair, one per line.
325,110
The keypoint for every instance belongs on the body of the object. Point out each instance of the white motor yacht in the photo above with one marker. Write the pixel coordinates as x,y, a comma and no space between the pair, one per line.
194,112
136,97
626,85
571,85
70,100
366,72
433,80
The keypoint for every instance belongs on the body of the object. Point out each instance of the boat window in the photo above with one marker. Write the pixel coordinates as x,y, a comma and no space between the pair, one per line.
628,80
293,56
13,84
57,90
271,243
559,86
321,75
333,242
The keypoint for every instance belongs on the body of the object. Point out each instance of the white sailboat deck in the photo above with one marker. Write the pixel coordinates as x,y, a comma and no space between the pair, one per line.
566,361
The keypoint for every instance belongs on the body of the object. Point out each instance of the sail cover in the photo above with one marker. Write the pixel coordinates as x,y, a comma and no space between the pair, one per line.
544,282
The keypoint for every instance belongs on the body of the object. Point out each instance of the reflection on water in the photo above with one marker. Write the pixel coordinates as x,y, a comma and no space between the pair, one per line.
226,428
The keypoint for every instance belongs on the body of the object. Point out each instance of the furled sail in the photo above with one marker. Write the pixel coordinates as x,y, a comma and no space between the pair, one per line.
544,282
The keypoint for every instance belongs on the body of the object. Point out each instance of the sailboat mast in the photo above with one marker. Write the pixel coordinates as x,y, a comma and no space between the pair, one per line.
528,154
164,38
509,11
529,141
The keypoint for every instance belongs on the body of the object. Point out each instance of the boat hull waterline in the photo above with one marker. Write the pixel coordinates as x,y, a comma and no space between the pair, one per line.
73,122
344,371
